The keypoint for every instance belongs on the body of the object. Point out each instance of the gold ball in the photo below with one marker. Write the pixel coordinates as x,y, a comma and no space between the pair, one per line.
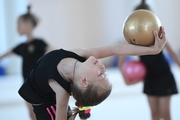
138,27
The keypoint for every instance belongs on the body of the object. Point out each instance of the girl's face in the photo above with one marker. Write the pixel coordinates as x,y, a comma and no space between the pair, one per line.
24,27
95,72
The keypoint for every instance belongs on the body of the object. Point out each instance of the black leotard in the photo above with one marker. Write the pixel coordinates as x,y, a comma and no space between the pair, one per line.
30,52
36,89
159,80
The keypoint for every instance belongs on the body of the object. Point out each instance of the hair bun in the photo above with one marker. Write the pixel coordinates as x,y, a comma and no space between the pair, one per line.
29,8
84,112
84,115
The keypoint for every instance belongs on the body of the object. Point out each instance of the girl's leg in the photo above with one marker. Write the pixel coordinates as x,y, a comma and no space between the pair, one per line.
153,103
164,107
31,113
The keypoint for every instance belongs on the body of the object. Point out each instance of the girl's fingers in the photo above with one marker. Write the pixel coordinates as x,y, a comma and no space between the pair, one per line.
162,33
155,34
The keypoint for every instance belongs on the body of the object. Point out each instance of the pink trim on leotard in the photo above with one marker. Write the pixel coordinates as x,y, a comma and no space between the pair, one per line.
52,118
54,111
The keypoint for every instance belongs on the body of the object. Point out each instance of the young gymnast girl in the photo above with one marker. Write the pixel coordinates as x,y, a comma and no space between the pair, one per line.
159,83
61,73
31,50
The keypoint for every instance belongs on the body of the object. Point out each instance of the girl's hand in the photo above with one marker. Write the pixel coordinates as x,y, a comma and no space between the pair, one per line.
159,41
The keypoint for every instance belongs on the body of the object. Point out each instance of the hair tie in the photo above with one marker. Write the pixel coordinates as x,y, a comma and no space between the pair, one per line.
86,109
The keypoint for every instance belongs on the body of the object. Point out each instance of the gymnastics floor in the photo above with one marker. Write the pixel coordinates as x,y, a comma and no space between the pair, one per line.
124,103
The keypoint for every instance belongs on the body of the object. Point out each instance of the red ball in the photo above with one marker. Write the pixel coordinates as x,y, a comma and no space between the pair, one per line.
134,70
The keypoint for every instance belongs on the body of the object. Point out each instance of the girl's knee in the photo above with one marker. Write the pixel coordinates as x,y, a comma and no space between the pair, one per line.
155,117
165,115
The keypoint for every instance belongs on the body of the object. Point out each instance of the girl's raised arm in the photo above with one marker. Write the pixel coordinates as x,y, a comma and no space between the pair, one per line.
124,48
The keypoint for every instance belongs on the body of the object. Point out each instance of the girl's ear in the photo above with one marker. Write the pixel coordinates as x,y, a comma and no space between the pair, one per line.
83,82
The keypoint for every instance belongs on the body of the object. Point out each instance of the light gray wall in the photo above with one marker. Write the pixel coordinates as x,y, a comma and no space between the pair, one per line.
85,23
80,23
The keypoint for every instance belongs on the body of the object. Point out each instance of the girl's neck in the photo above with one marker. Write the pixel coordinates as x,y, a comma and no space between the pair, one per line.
68,65
29,37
